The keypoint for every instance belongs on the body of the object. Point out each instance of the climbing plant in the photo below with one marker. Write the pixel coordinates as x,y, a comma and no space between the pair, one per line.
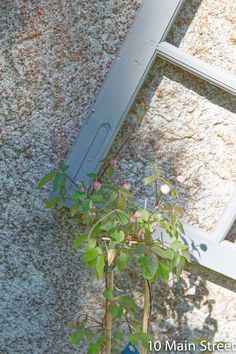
115,232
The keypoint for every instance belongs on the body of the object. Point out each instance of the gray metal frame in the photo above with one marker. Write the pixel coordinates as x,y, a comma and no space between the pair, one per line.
144,42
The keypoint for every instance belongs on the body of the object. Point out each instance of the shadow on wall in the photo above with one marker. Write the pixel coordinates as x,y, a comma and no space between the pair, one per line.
184,310
232,234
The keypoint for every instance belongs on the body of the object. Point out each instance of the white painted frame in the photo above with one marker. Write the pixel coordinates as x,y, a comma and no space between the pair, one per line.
145,42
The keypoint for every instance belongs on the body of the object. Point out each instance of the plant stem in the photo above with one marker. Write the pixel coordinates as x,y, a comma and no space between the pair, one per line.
108,318
146,308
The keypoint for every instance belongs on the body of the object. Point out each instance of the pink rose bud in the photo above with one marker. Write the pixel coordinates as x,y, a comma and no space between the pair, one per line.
132,219
180,179
97,185
113,162
126,185
165,189
141,235
138,214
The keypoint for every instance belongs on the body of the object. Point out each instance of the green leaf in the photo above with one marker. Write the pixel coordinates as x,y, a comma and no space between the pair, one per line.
163,253
145,339
107,226
180,267
86,205
74,326
136,326
92,254
122,261
145,215
149,265
176,260
76,337
78,196
99,266
52,202
92,175
122,219
181,228
107,293
127,302
74,208
178,210
121,202
97,230
79,240
163,272
59,181
95,348
89,334
140,249
150,179
47,178
143,265
152,264
140,337
134,339
186,255
118,335
90,244
118,235
115,310
97,198
178,245
63,167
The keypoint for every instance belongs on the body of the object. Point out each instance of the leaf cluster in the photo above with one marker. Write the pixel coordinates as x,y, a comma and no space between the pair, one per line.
115,231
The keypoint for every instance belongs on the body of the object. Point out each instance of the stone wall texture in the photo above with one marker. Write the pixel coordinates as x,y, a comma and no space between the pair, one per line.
54,56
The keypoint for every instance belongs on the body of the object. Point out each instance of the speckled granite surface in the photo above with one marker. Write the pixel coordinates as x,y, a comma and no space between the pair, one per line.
211,35
53,58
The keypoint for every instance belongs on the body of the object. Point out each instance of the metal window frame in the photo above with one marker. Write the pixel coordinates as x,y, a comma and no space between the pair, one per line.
144,42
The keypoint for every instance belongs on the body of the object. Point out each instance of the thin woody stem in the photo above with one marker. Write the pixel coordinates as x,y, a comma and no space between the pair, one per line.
116,153
146,308
108,316
73,182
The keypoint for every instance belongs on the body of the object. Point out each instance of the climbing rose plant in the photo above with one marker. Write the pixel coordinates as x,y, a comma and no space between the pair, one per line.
115,233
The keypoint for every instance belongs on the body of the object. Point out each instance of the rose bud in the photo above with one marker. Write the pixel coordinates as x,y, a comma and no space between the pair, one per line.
180,179
132,219
113,162
165,189
126,185
138,214
141,235
97,185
